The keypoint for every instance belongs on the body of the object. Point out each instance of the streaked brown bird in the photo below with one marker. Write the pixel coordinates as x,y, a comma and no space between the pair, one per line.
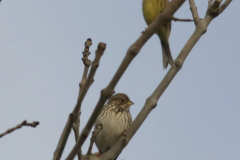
151,9
114,120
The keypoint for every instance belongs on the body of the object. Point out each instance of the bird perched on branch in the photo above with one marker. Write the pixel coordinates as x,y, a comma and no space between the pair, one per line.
151,9
114,120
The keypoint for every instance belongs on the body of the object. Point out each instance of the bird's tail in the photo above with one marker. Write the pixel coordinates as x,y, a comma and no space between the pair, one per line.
167,57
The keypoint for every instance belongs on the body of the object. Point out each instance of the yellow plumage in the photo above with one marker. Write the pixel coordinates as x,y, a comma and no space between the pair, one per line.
151,9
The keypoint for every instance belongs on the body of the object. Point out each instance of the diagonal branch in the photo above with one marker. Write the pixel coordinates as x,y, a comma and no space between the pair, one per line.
133,50
75,112
24,123
224,6
151,101
94,134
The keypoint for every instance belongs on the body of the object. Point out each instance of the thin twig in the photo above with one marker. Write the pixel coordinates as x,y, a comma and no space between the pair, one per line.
181,20
77,108
86,63
74,117
92,140
94,134
24,123
86,130
193,9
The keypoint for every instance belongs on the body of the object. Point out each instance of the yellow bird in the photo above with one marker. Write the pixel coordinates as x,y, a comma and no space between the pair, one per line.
151,9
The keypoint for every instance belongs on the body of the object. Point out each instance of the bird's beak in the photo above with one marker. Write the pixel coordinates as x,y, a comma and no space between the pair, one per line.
129,103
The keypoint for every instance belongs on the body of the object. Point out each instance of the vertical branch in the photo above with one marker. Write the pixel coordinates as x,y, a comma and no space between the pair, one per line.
86,130
82,92
86,63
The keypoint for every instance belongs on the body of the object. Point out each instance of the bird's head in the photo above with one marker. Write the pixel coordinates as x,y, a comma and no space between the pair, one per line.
121,101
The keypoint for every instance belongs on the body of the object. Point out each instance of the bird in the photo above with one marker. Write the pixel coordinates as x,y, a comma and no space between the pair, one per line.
113,121
151,9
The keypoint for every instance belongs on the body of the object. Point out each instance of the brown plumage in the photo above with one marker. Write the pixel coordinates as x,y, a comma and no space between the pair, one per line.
114,119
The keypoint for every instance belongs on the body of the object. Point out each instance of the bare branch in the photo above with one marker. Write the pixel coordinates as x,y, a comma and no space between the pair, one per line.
193,9
92,140
63,139
94,134
75,127
24,123
75,112
86,63
181,20
134,49
87,128
224,5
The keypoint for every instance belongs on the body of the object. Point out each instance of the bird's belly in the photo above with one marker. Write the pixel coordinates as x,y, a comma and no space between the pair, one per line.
151,9
109,134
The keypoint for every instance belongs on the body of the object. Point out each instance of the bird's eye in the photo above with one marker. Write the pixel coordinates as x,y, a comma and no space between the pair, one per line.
122,100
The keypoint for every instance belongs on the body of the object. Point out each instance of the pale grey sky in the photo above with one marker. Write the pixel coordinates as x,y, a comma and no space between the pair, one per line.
197,118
